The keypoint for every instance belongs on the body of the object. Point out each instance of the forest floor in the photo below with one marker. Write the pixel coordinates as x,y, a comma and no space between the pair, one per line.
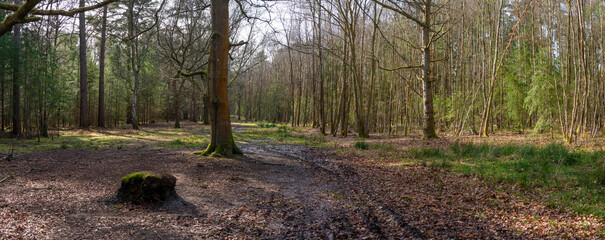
295,184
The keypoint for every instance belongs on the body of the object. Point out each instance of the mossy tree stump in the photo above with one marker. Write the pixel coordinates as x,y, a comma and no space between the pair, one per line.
147,188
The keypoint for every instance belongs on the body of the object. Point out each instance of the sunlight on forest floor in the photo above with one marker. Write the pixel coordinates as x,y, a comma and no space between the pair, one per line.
162,136
530,169
524,173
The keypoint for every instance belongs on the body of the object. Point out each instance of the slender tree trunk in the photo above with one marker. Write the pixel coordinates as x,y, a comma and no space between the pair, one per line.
101,117
490,98
133,62
16,128
322,112
177,112
84,121
239,107
373,67
428,124
2,127
221,137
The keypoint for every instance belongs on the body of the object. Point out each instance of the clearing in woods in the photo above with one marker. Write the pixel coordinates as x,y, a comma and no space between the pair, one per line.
290,184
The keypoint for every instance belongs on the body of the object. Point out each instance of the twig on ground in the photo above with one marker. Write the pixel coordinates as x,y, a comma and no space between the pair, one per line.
6,178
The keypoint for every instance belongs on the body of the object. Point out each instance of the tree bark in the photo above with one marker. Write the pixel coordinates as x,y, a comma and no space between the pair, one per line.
221,137
3,124
101,119
84,121
428,124
16,128
322,112
135,70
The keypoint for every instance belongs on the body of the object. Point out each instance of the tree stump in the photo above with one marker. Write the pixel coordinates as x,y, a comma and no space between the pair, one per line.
147,188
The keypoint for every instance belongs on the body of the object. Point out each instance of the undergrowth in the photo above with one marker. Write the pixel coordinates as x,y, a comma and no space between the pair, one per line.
361,145
560,177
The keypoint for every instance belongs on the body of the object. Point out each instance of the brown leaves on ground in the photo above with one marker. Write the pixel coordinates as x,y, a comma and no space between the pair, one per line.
274,192
440,201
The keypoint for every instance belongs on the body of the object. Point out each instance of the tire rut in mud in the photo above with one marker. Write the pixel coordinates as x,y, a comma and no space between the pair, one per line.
366,213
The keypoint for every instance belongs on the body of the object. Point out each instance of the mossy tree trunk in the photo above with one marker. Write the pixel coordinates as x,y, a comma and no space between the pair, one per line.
221,137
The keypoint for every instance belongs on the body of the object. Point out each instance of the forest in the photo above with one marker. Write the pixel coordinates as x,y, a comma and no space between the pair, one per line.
302,119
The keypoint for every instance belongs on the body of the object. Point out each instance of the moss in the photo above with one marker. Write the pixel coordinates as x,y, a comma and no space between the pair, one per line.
209,150
137,176
146,187
227,149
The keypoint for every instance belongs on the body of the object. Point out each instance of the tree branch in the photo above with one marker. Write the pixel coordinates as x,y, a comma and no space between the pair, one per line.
69,13
21,12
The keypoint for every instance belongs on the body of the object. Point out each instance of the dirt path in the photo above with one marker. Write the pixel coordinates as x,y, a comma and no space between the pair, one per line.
273,192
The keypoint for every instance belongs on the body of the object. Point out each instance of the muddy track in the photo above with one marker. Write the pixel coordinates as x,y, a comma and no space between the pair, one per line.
360,193
379,220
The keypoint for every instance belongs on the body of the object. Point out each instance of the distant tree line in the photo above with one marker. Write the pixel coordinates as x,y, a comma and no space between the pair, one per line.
461,67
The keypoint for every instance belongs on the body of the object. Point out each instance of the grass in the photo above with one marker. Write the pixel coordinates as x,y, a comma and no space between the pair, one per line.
384,147
361,145
560,177
115,138
190,141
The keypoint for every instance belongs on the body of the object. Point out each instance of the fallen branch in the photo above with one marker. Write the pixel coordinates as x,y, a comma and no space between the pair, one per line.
6,178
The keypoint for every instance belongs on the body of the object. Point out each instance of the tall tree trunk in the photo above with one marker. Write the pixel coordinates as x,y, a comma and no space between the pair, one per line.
221,137
428,123
177,111
84,121
133,62
101,119
239,106
373,66
16,128
490,97
344,93
322,112
2,94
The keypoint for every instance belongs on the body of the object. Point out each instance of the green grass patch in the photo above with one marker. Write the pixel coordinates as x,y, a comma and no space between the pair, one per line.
114,138
361,145
384,147
190,141
562,177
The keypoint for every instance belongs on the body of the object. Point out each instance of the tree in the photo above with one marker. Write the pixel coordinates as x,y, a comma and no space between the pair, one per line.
221,137
16,129
84,123
428,37
21,13
101,115
183,45
135,67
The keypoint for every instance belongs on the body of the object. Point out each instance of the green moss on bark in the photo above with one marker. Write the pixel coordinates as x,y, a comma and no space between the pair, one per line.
222,150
